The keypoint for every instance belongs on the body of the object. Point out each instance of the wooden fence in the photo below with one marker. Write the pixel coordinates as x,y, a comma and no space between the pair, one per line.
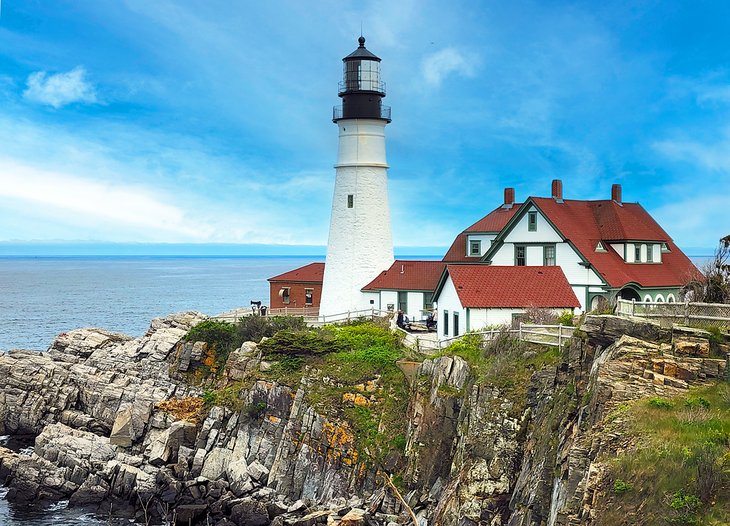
667,314
310,314
555,335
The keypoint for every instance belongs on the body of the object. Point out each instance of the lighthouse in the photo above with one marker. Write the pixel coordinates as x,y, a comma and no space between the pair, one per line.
360,244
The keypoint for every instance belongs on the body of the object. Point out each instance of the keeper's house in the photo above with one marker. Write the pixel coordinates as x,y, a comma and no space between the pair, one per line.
472,297
602,248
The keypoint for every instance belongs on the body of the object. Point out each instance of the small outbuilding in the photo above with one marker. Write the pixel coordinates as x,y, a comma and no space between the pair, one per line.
472,297
297,289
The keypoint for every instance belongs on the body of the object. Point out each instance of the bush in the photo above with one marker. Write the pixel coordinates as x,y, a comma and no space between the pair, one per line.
299,343
697,401
219,334
660,403
621,486
566,318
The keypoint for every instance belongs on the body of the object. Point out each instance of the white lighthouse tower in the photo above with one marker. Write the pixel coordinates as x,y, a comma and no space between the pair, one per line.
360,242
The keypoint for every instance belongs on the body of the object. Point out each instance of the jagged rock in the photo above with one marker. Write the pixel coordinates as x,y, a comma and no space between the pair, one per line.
258,471
250,513
189,513
355,517
316,517
603,330
216,463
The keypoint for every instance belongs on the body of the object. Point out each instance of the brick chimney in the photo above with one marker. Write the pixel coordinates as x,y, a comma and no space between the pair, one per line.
557,190
509,197
616,193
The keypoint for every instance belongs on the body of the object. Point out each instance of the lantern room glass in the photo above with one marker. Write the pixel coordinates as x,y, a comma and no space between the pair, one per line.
362,75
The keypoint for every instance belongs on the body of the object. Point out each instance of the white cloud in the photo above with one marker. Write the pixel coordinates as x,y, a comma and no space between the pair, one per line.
73,199
712,156
60,89
437,66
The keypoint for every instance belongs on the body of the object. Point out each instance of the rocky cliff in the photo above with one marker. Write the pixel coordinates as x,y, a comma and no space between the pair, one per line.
512,436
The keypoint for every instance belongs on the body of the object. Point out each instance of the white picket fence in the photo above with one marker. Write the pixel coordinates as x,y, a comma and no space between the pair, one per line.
310,314
667,314
555,335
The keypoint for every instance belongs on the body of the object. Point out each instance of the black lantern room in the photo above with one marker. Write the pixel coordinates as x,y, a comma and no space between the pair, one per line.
361,89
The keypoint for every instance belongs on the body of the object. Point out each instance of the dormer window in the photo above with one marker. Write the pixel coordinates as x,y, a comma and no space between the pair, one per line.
600,247
637,253
532,221
475,247
665,247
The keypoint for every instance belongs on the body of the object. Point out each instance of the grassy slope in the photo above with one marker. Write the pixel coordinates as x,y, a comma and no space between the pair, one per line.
678,468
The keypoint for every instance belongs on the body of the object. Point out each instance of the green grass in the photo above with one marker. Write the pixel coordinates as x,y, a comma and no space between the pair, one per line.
504,362
679,469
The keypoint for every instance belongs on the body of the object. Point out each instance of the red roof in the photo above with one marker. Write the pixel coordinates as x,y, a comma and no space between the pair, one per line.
487,286
585,223
408,275
312,273
494,221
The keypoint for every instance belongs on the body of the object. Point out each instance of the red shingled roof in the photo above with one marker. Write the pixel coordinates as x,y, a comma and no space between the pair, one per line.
312,273
487,286
585,223
494,221
408,275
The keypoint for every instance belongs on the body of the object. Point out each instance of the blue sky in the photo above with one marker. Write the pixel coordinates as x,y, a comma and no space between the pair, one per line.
209,122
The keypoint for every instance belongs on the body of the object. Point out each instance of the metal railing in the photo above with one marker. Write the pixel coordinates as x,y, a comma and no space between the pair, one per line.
687,313
337,113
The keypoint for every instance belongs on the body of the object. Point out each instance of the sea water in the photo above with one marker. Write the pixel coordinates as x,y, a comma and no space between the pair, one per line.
41,297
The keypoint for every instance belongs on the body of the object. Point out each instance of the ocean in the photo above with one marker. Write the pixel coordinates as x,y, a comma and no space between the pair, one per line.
41,297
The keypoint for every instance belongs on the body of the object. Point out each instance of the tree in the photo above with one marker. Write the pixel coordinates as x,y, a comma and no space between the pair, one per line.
713,285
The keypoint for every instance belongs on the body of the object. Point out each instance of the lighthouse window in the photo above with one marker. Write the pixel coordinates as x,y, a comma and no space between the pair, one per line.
350,201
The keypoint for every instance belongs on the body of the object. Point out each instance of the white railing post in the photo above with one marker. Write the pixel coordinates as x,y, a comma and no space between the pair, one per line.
560,335
519,334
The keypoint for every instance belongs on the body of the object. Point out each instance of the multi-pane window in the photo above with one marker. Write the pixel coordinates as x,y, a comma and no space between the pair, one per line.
475,247
350,200
520,255
549,255
532,221
637,253
456,324
650,253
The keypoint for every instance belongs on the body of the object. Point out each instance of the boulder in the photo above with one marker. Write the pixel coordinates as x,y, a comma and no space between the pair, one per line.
250,513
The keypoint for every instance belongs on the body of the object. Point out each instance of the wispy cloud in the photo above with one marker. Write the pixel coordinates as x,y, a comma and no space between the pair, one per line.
437,66
85,200
707,155
60,89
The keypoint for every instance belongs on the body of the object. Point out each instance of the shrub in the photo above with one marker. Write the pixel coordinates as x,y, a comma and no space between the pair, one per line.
566,318
253,328
660,403
697,401
621,486
219,334
254,410
299,343
709,471
686,506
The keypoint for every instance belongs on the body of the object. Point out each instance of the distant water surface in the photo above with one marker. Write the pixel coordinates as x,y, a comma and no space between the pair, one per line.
41,297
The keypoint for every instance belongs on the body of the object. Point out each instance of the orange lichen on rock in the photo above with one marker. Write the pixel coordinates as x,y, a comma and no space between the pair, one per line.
189,409
356,399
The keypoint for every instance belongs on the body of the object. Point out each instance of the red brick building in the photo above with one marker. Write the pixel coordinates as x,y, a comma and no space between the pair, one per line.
298,288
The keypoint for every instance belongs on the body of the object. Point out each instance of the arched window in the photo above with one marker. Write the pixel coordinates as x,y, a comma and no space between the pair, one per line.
647,298
670,298
659,298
